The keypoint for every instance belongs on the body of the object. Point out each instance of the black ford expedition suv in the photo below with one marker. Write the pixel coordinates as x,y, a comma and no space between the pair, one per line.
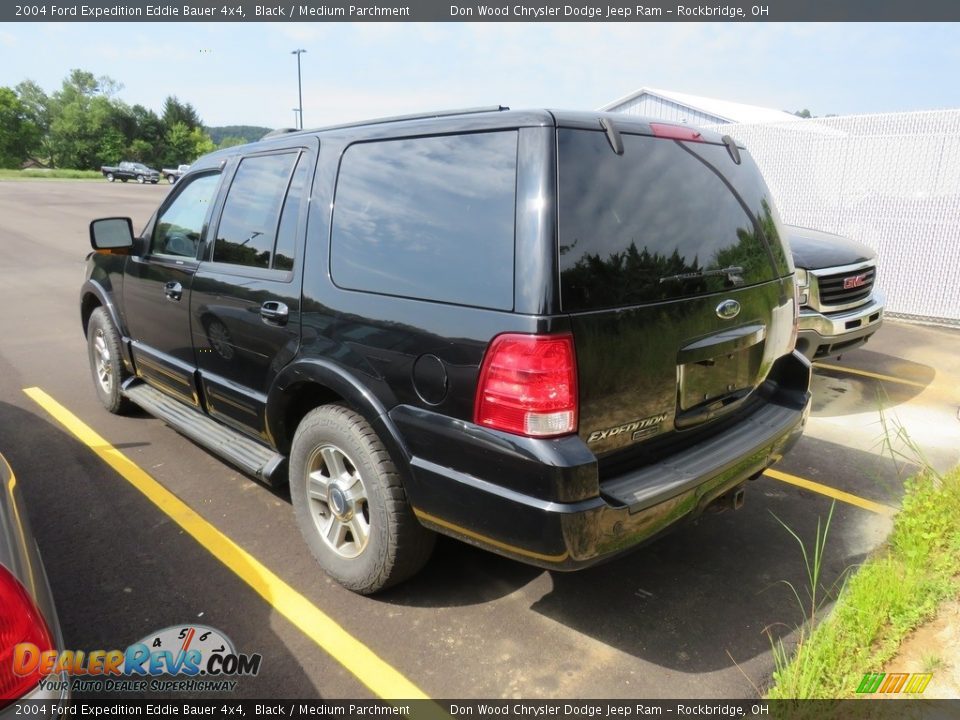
550,334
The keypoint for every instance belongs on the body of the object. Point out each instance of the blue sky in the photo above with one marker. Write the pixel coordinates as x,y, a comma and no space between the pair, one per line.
244,73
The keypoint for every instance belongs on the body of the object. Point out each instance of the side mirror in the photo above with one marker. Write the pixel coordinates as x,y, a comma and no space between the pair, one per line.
114,233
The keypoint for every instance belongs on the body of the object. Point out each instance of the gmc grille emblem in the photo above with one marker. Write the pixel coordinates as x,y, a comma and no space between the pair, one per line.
854,282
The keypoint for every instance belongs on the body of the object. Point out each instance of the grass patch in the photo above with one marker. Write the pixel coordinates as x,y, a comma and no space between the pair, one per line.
42,174
891,594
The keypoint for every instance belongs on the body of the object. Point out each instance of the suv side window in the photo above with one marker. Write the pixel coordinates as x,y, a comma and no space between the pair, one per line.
251,214
289,217
430,218
178,229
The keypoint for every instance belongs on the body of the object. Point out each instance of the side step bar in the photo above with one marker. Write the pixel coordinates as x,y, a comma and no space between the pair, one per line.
233,446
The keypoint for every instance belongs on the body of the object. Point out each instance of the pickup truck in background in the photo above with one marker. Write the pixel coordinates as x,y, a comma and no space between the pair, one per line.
172,175
840,309
130,171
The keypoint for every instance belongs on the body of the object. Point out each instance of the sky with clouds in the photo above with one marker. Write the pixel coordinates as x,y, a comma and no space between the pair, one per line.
244,73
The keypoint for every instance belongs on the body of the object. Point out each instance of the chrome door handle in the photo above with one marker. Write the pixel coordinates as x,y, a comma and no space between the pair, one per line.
173,290
275,313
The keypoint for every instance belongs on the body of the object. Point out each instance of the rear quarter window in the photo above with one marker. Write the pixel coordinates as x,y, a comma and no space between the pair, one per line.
650,225
429,218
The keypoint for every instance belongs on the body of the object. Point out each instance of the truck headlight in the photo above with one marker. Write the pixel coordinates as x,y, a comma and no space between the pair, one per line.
803,282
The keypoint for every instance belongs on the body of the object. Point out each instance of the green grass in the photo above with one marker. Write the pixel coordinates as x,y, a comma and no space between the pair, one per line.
41,174
891,594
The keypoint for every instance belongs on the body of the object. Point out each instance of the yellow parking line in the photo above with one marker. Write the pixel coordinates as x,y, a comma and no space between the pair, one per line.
367,666
867,373
831,492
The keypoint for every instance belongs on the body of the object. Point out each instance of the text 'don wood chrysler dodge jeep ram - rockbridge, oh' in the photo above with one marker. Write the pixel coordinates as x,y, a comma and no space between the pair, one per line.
553,335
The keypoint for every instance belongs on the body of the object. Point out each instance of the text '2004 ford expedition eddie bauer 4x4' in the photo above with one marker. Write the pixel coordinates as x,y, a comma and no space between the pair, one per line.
550,334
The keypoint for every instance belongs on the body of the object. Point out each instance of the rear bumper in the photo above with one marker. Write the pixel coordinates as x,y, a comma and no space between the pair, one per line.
501,492
822,335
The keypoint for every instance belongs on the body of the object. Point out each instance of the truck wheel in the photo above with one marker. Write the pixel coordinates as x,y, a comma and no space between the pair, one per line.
155,181
110,177
350,504
123,179
106,364
140,179
171,179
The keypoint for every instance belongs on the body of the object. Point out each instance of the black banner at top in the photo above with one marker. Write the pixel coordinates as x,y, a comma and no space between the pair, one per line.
307,11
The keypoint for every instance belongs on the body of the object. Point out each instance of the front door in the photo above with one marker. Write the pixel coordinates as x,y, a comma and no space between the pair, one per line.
156,289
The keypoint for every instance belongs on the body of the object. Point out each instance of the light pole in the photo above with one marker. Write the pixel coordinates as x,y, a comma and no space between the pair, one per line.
298,52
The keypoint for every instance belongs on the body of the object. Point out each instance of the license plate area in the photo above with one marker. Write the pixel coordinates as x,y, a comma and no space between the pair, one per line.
718,369
714,378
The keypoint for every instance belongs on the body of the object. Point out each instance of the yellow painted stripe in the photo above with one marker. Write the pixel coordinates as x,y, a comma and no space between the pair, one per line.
488,540
367,666
831,492
867,373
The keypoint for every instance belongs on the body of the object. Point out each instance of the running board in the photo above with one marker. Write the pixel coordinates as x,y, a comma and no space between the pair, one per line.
233,446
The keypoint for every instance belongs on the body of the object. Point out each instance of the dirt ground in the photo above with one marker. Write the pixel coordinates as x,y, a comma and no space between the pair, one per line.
934,648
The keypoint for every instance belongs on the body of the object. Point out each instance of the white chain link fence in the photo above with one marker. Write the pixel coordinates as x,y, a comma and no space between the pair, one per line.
891,181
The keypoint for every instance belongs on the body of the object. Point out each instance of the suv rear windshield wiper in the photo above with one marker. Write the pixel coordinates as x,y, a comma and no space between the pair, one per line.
734,274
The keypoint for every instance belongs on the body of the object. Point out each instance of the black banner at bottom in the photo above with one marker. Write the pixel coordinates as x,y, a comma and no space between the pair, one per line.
865,708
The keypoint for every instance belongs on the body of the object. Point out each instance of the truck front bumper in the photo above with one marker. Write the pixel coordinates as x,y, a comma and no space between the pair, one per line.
529,499
825,334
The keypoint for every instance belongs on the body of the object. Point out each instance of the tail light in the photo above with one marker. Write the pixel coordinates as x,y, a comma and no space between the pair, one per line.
676,132
528,385
20,622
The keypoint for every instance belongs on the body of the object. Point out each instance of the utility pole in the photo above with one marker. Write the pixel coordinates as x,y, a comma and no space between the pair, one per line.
298,52
296,116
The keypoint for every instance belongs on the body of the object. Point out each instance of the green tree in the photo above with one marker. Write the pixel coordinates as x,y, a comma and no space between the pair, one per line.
17,133
88,128
184,145
175,112
36,105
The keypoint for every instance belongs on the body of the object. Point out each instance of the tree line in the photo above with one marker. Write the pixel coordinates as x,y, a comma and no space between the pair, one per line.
84,125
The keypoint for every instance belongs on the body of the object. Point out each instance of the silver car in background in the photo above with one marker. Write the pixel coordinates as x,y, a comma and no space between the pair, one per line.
27,613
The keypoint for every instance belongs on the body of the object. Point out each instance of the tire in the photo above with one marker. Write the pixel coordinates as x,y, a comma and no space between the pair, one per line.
350,504
171,179
110,177
154,182
140,179
123,179
106,363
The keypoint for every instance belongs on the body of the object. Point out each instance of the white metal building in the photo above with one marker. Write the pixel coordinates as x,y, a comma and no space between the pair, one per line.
693,109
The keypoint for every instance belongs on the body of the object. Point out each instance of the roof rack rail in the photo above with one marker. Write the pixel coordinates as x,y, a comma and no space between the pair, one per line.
279,131
435,114
414,116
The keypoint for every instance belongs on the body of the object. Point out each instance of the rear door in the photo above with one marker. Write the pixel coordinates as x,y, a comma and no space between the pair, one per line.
670,268
245,303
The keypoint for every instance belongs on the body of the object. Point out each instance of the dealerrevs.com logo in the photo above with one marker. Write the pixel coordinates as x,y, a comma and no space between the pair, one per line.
189,658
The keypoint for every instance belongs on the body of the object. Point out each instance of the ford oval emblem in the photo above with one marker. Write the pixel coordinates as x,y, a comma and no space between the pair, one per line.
728,309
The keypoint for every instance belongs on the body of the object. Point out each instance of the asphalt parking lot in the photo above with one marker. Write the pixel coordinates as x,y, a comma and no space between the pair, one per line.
176,536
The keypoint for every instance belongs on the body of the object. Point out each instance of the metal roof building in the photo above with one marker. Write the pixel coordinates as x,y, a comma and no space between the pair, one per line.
693,109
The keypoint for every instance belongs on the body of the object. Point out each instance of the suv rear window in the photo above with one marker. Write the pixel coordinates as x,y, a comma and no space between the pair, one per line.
645,226
430,218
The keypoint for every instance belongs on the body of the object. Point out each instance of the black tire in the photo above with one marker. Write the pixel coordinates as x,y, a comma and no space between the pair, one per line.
110,177
123,179
140,179
155,181
171,179
396,545
103,344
